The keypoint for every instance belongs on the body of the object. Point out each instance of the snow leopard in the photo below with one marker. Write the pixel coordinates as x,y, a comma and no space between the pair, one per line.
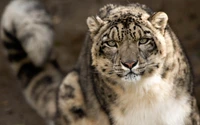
132,69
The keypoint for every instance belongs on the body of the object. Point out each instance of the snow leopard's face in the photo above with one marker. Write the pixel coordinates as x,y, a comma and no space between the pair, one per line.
126,45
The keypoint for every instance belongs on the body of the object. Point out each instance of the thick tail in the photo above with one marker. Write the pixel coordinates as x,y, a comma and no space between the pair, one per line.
27,34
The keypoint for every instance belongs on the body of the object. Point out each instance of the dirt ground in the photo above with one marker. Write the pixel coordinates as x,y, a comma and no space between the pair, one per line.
69,17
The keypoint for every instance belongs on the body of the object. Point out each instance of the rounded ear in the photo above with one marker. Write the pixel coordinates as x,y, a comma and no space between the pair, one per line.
94,23
159,21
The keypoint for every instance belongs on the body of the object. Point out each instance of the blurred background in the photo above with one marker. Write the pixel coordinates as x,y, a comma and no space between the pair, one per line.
69,17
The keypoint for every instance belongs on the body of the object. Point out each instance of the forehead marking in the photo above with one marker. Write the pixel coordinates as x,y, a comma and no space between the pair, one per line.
119,32
114,33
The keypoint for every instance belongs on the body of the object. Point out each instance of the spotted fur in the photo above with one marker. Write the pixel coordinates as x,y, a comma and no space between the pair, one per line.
139,58
131,70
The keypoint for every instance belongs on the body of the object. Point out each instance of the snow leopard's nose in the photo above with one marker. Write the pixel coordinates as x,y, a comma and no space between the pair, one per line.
129,64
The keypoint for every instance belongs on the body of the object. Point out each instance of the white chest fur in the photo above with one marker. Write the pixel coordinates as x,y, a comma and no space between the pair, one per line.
150,102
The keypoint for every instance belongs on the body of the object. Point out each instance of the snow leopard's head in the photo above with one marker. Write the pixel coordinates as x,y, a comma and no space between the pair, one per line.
128,41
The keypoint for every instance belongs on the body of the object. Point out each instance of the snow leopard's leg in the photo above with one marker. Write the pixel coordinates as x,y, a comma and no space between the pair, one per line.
72,105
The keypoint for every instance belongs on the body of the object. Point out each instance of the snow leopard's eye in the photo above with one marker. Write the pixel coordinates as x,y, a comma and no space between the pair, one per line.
144,41
111,43
147,46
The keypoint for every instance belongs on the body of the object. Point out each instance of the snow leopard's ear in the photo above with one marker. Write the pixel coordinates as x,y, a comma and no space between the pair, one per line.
94,23
159,21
